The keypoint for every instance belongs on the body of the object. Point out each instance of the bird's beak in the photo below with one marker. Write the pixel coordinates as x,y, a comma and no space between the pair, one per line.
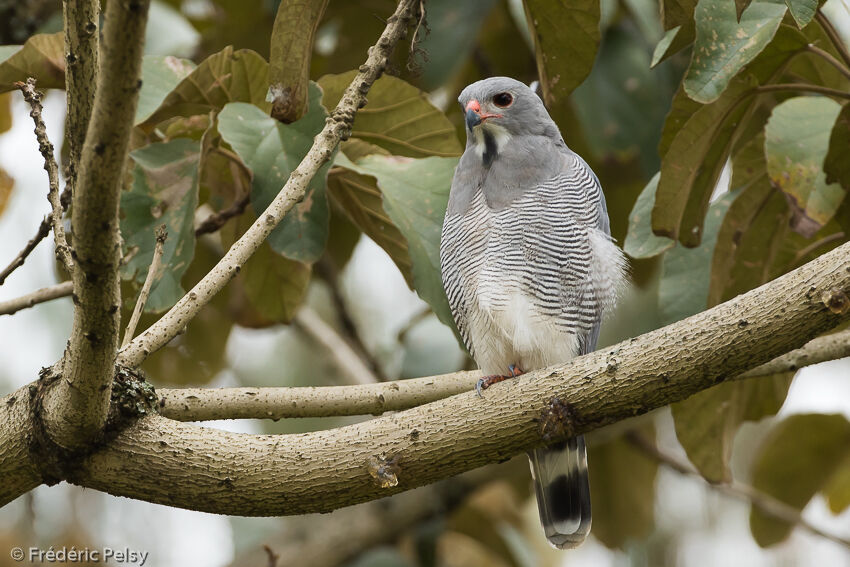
474,116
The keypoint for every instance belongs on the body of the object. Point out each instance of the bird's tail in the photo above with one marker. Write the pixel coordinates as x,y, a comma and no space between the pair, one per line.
563,491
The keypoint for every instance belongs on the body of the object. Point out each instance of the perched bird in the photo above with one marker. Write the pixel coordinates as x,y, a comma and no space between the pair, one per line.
529,267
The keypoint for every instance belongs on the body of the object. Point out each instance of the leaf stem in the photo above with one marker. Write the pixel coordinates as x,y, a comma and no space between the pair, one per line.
161,235
828,57
803,87
833,36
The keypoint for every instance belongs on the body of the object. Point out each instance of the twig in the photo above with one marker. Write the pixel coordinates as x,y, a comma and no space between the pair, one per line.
829,59
43,230
272,556
803,87
33,98
328,272
345,358
821,349
417,318
63,289
336,127
833,36
217,220
153,270
761,500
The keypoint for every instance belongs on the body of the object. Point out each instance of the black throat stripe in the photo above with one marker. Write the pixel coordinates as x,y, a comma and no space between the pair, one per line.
490,148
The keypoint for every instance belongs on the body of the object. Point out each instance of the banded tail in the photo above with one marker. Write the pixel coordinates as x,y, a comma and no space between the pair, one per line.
563,491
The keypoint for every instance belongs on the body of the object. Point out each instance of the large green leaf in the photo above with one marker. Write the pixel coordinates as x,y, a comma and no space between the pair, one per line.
41,57
164,191
623,495
677,18
160,75
837,162
564,59
640,241
796,142
398,118
361,200
795,462
289,60
5,112
683,290
677,12
415,193
273,150
837,489
698,145
802,10
723,45
226,76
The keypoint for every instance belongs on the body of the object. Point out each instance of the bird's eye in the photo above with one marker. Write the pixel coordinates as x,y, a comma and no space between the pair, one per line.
503,100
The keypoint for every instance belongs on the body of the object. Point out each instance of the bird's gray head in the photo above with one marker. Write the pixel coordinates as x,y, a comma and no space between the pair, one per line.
502,106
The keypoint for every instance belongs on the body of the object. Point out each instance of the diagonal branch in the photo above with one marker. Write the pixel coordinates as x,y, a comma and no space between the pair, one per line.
163,461
153,270
75,408
33,98
18,261
758,499
337,127
11,306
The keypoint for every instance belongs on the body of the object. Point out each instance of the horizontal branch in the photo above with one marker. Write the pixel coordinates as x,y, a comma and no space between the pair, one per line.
160,460
203,404
11,306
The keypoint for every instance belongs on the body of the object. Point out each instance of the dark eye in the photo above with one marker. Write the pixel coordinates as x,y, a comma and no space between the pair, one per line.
503,99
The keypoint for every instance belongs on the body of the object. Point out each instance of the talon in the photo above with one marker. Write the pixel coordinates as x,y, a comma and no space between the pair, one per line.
480,386
488,381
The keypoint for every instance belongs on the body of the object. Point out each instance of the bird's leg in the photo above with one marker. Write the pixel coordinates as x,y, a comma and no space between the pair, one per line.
488,381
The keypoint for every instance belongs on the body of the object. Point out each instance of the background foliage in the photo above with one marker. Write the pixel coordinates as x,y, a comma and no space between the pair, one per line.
720,131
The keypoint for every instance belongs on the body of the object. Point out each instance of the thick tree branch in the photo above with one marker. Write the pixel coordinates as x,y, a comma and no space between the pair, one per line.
163,461
18,466
337,127
33,98
76,407
81,19
758,499
203,404
63,289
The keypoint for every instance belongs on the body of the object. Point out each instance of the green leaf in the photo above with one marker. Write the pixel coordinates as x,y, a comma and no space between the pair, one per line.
796,460
289,63
796,142
640,241
740,6
361,200
724,46
398,118
677,17
7,183
5,112
623,495
273,150
837,489
677,12
168,32
41,57
697,146
164,191
274,286
160,75
706,423
669,44
802,10
564,60
681,110
837,162
683,290
223,77
415,193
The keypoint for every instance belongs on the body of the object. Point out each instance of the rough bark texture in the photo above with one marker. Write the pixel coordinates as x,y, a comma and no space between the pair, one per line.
183,465
17,466
76,407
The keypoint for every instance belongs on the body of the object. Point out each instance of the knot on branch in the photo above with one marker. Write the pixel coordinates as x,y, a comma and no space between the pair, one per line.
557,421
132,396
836,301
384,469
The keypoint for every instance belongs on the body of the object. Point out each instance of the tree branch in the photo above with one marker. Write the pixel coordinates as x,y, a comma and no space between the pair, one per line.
163,461
758,499
33,98
203,404
153,270
11,306
76,406
217,220
43,230
348,361
833,36
829,59
337,127
803,87
18,467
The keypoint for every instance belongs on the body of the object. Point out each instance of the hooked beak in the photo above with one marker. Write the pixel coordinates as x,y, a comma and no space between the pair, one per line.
474,116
